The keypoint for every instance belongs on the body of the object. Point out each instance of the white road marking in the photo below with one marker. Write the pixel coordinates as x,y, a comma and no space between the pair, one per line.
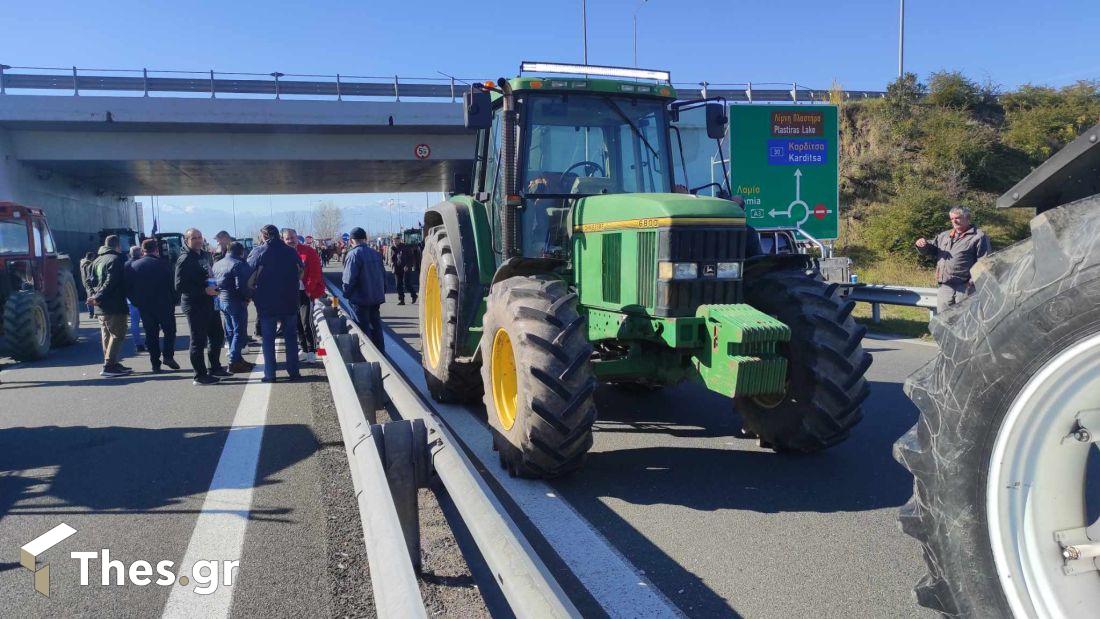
616,584
220,528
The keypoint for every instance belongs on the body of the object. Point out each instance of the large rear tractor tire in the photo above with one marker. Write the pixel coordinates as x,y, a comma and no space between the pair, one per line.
538,376
448,378
64,310
1010,415
27,325
825,365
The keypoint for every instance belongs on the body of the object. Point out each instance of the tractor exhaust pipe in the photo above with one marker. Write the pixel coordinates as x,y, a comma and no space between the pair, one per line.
508,148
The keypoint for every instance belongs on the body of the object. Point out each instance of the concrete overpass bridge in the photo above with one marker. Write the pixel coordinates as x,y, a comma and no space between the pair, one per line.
82,157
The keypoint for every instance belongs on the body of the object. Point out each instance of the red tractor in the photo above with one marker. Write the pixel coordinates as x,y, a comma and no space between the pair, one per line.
38,295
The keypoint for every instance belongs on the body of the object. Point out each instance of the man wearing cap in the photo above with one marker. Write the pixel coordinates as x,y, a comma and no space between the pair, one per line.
364,285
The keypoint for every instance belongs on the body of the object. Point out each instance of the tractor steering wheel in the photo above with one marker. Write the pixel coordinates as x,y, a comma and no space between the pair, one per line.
590,168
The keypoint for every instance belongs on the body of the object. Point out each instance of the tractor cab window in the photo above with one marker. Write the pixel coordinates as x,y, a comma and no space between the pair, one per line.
47,237
13,238
586,145
37,238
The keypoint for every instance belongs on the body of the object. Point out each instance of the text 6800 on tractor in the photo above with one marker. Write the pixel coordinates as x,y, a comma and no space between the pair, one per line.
579,255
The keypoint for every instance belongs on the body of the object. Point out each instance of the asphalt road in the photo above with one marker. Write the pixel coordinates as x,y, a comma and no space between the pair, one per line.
153,469
723,527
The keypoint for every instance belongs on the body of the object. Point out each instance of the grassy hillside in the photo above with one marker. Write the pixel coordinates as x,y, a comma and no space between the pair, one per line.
907,158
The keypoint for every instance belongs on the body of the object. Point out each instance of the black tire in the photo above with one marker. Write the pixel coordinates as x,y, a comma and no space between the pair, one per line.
64,310
449,379
1031,301
554,409
27,325
826,364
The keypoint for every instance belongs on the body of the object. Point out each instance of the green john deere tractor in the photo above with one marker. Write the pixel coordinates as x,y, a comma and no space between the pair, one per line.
579,255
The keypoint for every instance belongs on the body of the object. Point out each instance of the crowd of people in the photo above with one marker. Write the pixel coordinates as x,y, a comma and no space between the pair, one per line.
213,287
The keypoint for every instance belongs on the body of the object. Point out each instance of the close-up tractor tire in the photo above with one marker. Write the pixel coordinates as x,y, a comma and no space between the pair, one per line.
27,325
64,310
538,376
825,364
448,378
1009,417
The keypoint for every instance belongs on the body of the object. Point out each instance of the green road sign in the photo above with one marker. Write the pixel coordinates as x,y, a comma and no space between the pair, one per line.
784,164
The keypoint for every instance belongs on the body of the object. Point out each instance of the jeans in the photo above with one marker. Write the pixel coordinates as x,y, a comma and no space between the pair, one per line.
370,321
307,332
406,282
952,294
290,331
154,323
236,328
206,329
135,325
112,330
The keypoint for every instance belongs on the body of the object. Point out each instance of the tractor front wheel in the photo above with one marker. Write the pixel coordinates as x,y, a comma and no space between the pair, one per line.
27,325
537,375
64,312
449,378
825,365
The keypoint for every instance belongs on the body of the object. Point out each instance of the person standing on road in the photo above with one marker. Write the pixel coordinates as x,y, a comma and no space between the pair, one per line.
955,250
135,316
364,285
149,287
86,278
406,267
231,275
223,240
108,287
310,288
195,284
276,272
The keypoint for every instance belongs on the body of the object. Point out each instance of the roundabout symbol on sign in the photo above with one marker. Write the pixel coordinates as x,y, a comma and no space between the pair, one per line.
422,151
819,211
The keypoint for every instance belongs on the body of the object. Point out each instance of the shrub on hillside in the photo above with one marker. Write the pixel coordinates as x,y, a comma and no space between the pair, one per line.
893,227
954,90
1040,120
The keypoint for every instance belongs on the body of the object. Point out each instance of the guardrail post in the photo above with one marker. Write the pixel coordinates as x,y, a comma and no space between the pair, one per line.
403,446
338,325
2,67
876,313
212,95
145,82
366,376
76,86
339,94
348,345
277,75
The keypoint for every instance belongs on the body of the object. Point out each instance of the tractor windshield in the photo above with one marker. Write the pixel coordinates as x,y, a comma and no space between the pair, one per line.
13,238
584,145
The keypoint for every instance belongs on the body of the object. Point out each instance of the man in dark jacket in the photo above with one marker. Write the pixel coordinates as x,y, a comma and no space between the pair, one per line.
149,287
231,274
276,271
364,285
406,269
86,277
109,295
195,285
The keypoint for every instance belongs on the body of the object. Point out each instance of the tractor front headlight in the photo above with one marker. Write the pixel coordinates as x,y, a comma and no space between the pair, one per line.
729,270
677,270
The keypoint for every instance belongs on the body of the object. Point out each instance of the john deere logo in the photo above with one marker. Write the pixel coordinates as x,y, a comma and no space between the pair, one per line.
28,555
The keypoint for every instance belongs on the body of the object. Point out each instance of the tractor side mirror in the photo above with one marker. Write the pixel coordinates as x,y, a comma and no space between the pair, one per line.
716,121
477,110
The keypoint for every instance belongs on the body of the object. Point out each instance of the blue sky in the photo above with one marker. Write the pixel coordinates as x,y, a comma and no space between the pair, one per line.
1009,42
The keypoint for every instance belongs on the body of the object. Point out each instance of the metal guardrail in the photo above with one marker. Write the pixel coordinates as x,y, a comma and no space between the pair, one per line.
393,578
278,84
524,579
878,295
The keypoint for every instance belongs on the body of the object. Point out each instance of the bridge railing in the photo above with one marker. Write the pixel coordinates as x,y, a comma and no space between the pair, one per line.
76,80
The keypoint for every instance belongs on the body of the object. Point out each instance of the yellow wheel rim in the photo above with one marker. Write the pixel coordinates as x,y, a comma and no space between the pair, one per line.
432,329
504,379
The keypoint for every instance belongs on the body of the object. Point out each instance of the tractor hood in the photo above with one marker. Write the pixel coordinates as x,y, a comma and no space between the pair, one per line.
653,210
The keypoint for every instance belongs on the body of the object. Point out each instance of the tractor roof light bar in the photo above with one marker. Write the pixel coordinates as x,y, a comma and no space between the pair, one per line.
594,70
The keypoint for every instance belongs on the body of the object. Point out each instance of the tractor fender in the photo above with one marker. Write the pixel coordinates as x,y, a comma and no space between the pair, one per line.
457,221
526,266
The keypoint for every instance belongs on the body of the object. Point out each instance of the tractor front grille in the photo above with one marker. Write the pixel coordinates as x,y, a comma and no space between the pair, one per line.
677,298
703,245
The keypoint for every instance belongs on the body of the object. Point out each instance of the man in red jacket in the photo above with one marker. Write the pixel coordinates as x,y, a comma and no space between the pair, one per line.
311,287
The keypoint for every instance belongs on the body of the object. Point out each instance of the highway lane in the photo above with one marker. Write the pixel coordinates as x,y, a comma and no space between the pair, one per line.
721,526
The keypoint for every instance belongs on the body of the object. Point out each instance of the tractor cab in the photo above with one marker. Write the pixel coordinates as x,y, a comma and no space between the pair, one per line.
549,143
171,245
127,238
